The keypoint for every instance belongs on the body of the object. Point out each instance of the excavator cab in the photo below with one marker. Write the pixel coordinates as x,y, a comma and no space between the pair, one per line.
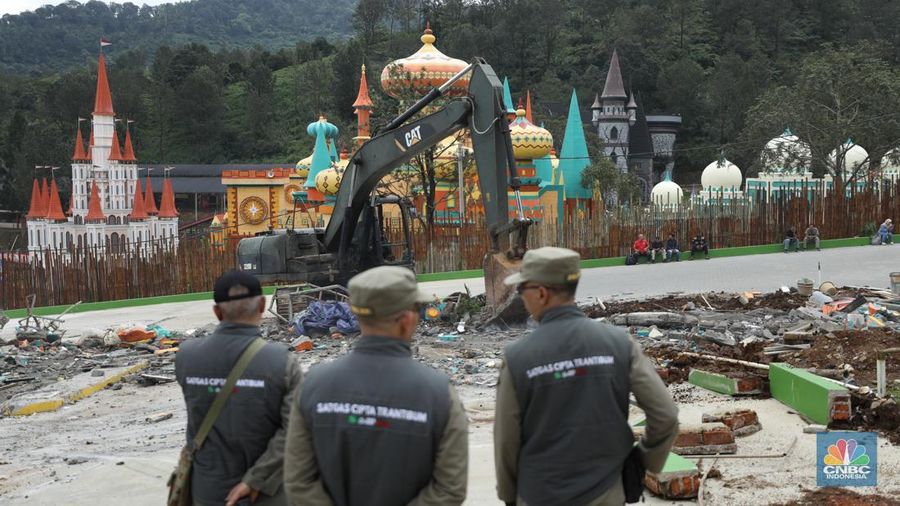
382,237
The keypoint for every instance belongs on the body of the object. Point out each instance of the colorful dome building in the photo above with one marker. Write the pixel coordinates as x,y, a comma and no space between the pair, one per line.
423,70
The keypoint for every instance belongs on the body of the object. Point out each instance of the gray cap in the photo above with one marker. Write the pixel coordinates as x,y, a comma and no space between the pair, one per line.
384,291
548,266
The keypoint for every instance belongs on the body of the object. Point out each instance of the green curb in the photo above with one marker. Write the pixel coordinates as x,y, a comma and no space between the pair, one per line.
677,464
811,395
55,396
712,381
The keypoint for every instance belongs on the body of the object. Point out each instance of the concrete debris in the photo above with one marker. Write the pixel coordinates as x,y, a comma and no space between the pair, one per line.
158,417
742,422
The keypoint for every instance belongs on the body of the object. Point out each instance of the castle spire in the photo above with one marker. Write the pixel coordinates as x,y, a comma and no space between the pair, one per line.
115,152
528,107
614,87
149,200
95,210
54,206
103,101
34,211
363,106
138,211
574,154
79,153
128,155
167,204
45,198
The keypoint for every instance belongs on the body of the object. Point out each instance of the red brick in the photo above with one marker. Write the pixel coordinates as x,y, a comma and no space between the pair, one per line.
718,437
663,374
748,384
688,439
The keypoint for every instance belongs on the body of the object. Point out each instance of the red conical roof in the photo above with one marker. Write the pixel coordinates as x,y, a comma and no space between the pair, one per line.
45,198
138,211
167,205
362,99
128,155
149,200
95,210
103,101
79,153
115,153
54,211
34,210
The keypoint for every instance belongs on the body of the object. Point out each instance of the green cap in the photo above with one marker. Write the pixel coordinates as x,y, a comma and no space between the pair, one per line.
548,266
384,291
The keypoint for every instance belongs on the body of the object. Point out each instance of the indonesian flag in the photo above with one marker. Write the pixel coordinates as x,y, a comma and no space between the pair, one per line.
104,42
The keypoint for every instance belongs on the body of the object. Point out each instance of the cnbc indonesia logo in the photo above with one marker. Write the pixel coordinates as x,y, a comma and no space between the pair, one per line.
846,461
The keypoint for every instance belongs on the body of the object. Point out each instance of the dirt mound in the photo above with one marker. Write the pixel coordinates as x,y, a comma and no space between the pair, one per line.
855,347
720,301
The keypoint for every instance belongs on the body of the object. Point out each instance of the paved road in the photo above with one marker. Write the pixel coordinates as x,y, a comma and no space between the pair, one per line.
856,266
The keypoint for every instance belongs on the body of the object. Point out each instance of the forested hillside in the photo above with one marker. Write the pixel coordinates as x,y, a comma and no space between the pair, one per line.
724,65
58,37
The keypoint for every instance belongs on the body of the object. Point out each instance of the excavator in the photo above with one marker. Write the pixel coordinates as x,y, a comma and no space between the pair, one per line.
355,240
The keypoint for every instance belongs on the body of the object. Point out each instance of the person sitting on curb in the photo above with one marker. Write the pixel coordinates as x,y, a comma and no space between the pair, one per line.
640,248
672,250
790,239
699,244
886,232
812,236
656,248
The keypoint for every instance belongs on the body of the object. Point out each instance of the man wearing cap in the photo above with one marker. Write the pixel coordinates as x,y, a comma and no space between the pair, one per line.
376,427
242,457
561,433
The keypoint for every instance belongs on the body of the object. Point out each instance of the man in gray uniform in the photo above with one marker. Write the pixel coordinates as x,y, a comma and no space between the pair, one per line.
561,433
376,427
242,458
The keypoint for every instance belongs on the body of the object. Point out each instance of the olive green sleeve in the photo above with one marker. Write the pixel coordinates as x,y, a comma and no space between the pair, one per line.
449,479
655,400
267,474
302,483
507,437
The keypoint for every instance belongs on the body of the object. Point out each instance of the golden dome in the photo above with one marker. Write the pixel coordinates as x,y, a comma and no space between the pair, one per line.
328,181
302,167
528,140
425,69
445,161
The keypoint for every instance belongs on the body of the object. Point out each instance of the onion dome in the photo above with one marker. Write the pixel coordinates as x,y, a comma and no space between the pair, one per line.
425,69
666,192
855,157
302,167
446,166
328,181
786,154
721,175
890,164
529,141
322,125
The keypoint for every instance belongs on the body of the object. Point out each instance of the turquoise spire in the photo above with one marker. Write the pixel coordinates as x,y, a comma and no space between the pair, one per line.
320,160
507,97
573,157
332,151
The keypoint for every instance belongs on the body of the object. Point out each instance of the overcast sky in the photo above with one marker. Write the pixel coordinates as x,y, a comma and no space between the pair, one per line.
17,6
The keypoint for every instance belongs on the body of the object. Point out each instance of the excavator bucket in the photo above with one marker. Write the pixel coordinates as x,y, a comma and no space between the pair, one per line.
506,305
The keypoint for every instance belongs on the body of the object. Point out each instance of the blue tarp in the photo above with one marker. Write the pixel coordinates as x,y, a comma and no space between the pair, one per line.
320,316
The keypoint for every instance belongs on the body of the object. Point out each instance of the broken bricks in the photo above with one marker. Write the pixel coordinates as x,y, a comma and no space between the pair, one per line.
742,422
749,385
679,479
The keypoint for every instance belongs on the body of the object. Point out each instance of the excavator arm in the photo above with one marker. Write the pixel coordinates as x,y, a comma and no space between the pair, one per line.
482,112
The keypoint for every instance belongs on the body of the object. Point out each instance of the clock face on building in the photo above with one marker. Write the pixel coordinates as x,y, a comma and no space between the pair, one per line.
253,210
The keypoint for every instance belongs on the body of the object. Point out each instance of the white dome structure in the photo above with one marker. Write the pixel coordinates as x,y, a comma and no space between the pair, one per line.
890,164
666,192
786,154
855,158
721,175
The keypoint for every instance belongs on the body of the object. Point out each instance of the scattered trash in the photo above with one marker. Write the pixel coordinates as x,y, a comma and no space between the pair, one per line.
302,343
320,316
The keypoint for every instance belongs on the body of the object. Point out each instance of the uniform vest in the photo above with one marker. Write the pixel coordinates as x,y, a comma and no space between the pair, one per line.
571,377
251,416
376,417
